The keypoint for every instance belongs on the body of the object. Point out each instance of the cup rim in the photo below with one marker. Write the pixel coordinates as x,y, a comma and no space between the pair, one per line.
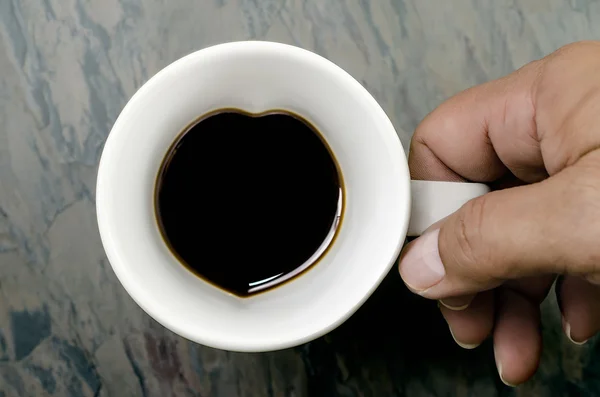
169,72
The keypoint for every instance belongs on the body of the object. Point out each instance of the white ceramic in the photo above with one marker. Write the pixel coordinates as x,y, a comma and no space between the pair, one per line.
258,76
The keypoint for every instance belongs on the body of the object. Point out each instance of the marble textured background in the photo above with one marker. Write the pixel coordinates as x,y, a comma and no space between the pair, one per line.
67,67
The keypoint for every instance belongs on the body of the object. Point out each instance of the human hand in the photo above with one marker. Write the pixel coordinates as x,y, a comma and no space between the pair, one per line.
535,136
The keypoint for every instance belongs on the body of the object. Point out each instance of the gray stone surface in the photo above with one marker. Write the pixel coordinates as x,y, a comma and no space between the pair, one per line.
67,67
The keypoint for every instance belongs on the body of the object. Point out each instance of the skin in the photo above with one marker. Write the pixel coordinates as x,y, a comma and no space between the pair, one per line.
534,136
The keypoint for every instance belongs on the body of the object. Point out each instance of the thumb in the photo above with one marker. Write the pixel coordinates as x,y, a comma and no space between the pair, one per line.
547,227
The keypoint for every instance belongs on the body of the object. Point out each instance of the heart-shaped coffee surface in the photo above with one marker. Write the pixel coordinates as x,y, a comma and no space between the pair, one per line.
246,201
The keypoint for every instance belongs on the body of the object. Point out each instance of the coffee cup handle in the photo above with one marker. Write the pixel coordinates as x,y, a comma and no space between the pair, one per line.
432,201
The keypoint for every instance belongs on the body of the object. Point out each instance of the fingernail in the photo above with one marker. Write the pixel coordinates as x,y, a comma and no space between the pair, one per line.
456,304
567,330
463,345
454,308
421,268
499,368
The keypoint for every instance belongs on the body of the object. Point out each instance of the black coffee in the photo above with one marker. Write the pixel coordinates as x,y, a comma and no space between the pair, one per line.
248,202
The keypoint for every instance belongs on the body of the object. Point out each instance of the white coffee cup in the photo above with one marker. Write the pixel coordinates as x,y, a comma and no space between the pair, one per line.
256,77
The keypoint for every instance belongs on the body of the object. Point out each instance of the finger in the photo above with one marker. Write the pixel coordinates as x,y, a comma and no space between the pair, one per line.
482,133
567,98
543,228
551,103
517,337
457,303
534,288
471,326
580,306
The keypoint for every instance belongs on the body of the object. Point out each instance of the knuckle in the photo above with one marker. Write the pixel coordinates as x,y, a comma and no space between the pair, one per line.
468,232
583,196
576,214
475,254
583,203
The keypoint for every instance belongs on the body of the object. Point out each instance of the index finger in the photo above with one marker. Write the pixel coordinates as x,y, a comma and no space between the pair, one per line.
481,134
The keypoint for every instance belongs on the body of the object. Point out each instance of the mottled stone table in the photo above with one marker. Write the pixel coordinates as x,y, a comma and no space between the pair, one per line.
67,67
